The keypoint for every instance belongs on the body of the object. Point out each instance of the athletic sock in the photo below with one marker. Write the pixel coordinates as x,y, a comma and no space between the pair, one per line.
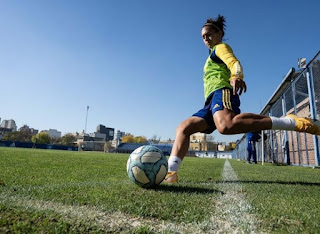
174,163
285,123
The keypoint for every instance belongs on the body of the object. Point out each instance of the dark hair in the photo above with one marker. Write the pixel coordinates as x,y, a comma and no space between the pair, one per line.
217,24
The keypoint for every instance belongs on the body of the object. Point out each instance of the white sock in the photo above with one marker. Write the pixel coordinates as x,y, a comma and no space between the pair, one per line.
174,163
284,123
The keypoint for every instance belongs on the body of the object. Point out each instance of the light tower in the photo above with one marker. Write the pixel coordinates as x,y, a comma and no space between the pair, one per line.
85,128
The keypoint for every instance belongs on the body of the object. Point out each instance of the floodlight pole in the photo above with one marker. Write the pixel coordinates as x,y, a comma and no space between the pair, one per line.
85,128
262,147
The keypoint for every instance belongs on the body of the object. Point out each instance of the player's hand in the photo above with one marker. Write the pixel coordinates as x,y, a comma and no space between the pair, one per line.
239,86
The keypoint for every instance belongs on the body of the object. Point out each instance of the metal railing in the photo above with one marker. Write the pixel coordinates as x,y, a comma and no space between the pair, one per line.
299,93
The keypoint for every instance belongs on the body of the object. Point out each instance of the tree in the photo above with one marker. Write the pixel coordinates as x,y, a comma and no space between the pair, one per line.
56,140
41,138
68,139
232,145
128,139
140,139
23,136
155,139
10,136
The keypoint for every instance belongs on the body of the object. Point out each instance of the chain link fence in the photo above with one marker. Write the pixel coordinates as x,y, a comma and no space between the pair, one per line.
299,94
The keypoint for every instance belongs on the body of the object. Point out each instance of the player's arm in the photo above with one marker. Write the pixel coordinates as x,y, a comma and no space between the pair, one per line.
225,53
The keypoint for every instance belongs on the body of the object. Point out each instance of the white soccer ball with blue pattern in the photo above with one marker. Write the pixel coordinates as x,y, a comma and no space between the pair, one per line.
147,166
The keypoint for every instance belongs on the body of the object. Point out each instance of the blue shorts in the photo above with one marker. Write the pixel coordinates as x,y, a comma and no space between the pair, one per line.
218,100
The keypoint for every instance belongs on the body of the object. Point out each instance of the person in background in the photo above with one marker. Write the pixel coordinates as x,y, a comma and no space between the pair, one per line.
252,138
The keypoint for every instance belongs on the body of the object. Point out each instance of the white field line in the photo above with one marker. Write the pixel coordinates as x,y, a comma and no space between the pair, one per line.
232,212
109,222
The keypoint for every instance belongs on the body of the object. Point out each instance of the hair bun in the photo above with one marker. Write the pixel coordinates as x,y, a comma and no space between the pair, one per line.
218,23
221,22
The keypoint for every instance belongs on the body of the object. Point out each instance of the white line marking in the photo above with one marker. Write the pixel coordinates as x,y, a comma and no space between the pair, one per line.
93,216
232,212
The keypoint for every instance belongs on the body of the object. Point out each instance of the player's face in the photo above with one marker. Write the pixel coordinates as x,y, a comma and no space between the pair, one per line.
210,36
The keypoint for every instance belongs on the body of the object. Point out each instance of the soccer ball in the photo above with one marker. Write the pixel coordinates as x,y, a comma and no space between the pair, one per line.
147,166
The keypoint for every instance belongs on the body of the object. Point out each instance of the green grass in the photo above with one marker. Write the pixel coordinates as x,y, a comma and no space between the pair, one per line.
97,180
286,198
61,191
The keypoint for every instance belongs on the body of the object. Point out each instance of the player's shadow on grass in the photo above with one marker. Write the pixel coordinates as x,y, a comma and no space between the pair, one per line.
187,189
272,182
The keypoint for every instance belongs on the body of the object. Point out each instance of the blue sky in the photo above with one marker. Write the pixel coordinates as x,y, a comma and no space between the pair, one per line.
138,64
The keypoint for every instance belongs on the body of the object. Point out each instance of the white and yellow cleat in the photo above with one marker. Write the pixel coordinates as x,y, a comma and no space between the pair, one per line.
305,125
171,177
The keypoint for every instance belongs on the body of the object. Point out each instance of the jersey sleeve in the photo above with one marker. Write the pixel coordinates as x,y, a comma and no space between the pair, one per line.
225,53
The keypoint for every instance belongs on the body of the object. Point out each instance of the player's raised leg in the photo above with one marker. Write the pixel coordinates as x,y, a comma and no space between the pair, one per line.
181,144
229,123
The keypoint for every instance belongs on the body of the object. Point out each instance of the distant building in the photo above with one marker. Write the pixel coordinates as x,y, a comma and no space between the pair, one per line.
81,137
97,136
97,141
78,135
90,142
26,128
198,142
53,133
221,147
11,124
118,135
117,138
109,132
212,146
34,131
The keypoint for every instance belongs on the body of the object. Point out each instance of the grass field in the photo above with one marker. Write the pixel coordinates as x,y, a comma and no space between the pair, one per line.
60,191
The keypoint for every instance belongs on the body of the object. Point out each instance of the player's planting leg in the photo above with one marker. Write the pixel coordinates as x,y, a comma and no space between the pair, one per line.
181,145
171,177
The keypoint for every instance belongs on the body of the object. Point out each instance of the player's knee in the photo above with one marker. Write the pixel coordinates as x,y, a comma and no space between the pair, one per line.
225,127
184,128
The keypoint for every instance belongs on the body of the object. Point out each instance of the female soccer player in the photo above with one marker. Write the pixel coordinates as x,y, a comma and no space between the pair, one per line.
223,83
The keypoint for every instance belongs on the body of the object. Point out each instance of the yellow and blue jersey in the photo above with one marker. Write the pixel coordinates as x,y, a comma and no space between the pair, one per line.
220,67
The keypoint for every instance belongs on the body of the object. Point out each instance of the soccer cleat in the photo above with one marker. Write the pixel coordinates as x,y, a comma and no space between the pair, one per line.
305,125
171,177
